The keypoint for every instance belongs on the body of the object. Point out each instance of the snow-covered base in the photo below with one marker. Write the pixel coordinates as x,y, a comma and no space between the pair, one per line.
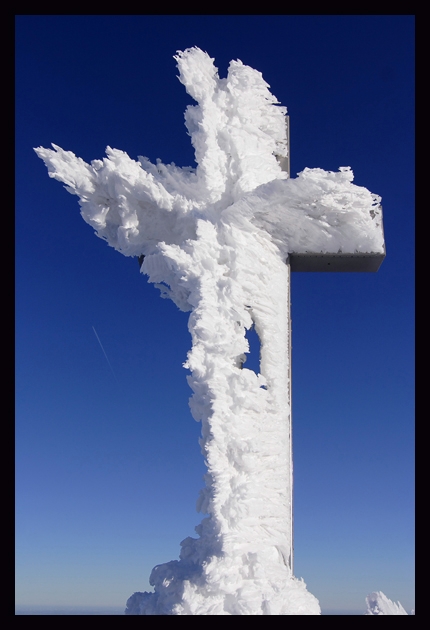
208,593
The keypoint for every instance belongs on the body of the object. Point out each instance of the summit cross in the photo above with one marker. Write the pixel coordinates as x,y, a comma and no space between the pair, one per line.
220,241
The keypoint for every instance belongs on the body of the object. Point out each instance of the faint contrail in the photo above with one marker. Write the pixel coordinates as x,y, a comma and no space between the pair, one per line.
98,339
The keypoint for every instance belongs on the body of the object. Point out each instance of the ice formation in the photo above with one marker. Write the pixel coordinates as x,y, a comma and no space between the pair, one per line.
215,241
379,604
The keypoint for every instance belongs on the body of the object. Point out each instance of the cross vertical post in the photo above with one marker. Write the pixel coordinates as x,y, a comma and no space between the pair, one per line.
290,396
285,163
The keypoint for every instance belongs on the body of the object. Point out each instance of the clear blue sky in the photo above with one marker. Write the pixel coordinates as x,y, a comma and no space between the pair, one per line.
109,469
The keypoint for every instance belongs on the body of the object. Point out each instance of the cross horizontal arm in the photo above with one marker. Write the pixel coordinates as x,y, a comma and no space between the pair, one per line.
336,262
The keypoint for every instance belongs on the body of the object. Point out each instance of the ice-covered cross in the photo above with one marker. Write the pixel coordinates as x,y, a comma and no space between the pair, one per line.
220,241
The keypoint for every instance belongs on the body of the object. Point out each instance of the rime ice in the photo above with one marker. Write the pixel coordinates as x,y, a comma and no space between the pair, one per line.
215,241
379,604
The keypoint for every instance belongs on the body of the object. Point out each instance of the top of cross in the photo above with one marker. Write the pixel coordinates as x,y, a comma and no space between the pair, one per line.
320,220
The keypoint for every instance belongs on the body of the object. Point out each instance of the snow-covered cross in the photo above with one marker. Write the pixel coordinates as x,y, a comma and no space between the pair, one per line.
220,241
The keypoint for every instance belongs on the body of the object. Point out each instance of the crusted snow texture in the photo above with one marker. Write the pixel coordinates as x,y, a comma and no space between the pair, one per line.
215,241
379,604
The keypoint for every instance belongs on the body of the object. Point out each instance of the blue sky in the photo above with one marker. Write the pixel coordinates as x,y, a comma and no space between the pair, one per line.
109,467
